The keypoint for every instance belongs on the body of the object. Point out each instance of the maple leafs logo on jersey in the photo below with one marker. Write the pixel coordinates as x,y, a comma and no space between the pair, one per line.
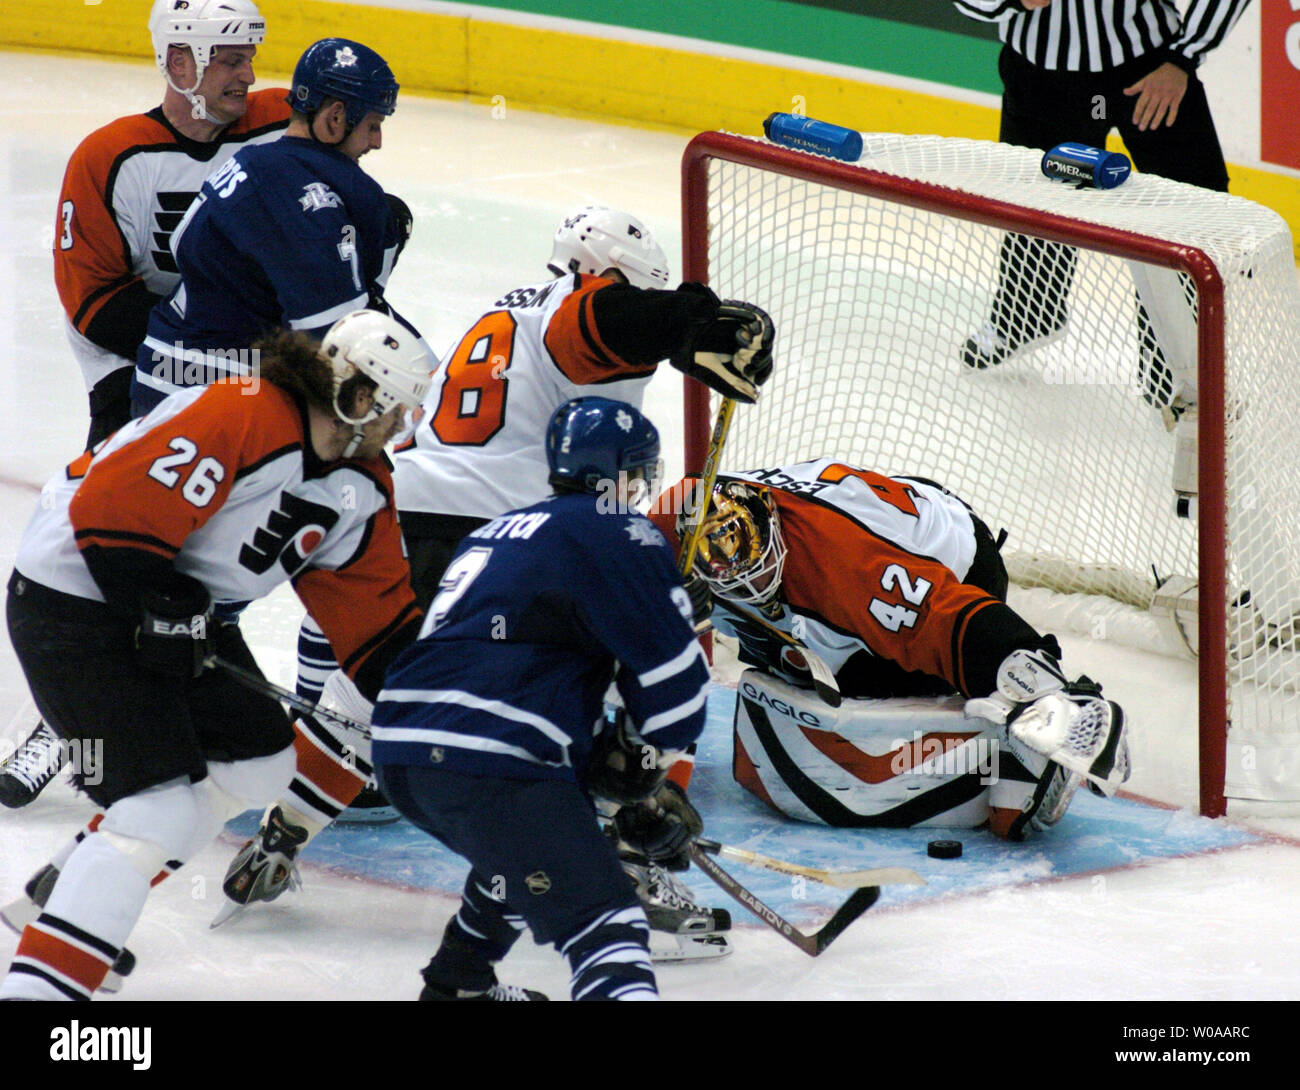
624,420
643,532
317,195
344,57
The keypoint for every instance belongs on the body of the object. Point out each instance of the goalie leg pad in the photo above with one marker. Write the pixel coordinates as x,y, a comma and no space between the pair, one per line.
869,763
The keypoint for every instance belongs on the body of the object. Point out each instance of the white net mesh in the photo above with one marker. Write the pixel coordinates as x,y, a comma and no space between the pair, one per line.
1036,379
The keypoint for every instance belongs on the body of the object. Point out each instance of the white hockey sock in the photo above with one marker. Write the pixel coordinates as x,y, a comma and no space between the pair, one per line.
67,951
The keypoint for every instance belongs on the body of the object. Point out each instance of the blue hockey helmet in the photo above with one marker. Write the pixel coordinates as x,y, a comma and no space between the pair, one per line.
346,70
591,441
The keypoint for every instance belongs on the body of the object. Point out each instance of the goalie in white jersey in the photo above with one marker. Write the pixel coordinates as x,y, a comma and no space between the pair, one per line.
897,588
601,325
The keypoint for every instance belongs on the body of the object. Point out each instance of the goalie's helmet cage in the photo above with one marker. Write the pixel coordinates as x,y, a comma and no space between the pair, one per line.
595,239
201,26
592,441
346,70
742,552
370,345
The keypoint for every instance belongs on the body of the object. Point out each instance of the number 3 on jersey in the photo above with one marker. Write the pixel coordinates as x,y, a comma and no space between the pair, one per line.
892,615
472,405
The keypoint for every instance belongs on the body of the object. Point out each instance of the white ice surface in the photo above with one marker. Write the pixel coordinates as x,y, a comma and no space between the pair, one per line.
487,194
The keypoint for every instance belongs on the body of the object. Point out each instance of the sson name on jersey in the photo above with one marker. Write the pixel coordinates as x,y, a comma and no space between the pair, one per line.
221,483
126,188
519,647
874,563
286,235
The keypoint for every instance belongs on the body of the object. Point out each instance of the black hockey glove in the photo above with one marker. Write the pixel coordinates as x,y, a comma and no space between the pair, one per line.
404,220
732,354
662,826
623,767
174,636
701,600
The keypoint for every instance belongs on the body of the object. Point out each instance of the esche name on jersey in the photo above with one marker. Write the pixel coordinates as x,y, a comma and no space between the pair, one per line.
519,647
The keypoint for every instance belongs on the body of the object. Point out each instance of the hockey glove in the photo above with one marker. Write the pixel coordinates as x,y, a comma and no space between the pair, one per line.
404,220
623,767
732,354
174,636
662,826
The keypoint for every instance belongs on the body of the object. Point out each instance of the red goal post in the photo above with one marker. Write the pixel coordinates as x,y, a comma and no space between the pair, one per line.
875,273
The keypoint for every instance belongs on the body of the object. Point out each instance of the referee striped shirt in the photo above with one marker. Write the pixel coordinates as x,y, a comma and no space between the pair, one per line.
1098,35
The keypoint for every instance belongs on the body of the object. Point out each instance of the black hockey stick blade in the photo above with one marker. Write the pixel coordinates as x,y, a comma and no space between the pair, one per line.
812,945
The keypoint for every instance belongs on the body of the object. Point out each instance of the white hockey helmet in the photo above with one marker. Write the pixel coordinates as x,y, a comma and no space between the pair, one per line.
202,25
596,238
741,544
378,347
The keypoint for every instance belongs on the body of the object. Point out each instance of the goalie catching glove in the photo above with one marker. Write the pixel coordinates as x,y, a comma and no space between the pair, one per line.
732,354
1068,722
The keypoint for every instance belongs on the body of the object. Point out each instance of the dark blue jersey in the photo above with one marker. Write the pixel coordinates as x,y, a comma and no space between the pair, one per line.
291,235
520,645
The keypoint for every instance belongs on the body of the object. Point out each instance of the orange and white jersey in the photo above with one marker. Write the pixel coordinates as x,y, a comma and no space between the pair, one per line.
126,188
221,484
876,563
480,449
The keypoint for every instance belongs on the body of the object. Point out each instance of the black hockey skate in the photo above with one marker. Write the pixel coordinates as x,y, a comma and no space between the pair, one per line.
31,767
264,867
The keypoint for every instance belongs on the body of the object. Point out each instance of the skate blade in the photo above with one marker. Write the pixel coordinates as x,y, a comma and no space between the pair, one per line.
226,912
18,914
668,948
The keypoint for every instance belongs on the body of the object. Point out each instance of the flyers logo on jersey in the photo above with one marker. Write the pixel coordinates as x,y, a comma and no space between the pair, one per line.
290,536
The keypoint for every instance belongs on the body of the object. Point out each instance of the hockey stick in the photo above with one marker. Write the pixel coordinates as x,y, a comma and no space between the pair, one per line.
811,944
259,684
823,680
709,478
841,879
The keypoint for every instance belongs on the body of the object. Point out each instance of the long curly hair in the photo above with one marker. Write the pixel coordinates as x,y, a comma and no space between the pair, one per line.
292,361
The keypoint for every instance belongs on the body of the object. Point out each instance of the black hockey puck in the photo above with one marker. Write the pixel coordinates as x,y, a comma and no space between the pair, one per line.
943,849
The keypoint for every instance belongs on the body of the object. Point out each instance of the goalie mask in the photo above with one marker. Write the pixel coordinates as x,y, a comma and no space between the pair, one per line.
741,553
369,349
596,239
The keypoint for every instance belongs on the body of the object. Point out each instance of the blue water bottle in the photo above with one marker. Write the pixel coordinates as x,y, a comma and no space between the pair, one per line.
1086,166
808,135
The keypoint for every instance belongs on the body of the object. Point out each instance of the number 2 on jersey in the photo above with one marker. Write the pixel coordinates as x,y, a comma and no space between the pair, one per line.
892,615
472,405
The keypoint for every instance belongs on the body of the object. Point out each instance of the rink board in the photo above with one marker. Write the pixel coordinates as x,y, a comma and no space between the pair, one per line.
1096,836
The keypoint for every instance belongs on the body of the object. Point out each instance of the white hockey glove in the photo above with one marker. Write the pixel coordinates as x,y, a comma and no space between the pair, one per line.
1069,723
733,353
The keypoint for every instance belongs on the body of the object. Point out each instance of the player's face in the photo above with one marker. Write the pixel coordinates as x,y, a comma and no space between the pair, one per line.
226,80
366,137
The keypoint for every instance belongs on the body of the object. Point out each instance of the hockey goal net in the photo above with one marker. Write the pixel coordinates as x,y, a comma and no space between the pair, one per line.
1134,426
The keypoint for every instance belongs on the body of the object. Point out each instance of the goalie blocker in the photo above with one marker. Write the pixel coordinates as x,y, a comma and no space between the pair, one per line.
925,761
